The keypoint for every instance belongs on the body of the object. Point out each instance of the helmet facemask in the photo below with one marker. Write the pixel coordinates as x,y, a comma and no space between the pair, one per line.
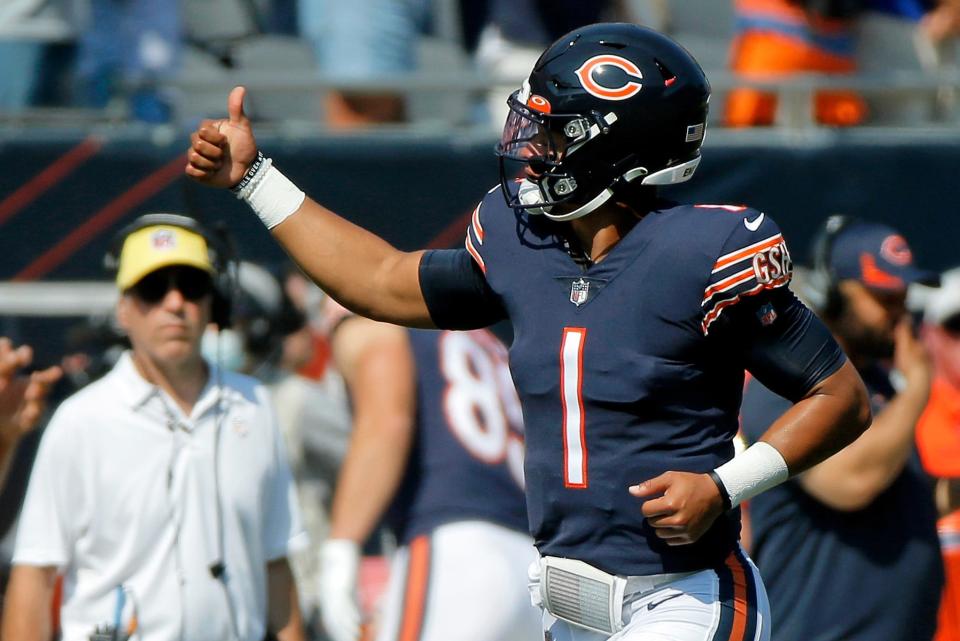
536,146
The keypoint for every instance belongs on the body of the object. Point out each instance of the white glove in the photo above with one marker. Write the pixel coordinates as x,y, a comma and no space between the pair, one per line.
339,607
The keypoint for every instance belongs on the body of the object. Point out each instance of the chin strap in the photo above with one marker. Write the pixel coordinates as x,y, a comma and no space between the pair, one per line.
532,197
531,194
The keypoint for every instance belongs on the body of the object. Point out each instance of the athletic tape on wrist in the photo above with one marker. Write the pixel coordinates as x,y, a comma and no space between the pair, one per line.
271,195
759,468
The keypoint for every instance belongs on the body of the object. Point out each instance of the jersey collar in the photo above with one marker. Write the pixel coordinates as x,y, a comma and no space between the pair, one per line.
137,391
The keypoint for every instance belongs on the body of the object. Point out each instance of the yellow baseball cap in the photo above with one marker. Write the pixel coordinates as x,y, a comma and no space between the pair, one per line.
151,248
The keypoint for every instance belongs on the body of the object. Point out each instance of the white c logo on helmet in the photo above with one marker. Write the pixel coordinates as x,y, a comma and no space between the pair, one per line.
627,90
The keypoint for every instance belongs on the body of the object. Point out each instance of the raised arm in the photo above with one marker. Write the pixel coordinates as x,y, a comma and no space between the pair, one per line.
357,268
854,477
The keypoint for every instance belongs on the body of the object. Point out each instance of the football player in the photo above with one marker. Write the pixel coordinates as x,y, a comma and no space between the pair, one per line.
437,453
634,319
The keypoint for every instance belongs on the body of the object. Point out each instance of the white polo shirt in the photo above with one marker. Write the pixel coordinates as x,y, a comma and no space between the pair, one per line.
123,500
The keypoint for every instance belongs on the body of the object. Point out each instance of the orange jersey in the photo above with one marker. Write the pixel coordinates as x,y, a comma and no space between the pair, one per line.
938,431
828,36
938,440
948,628
776,37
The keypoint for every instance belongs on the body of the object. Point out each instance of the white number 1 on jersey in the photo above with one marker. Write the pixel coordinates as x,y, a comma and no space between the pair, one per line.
571,393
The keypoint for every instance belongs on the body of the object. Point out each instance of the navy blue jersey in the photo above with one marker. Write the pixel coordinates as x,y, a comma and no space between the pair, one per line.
467,457
865,575
619,370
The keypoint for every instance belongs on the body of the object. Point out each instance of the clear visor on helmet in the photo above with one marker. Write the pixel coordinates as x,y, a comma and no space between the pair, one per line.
534,147
528,138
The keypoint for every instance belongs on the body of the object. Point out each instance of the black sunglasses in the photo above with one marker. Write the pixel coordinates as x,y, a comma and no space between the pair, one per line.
194,284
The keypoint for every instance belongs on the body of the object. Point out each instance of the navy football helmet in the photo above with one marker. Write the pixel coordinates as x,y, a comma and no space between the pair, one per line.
605,104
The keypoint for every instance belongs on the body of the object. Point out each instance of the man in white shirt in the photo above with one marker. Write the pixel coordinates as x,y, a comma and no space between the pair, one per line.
162,491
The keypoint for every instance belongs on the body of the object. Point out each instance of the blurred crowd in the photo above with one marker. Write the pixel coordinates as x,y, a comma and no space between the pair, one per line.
93,53
129,56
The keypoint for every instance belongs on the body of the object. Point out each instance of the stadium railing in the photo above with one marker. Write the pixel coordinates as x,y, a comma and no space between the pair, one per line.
925,100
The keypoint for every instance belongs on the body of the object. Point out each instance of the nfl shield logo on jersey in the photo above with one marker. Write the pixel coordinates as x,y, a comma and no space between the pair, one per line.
767,315
579,292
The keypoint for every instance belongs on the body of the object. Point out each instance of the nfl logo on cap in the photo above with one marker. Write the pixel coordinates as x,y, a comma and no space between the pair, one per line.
163,239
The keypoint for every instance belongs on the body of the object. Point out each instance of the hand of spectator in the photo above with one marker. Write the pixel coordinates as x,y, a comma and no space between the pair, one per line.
683,507
221,151
910,357
339,610
22,398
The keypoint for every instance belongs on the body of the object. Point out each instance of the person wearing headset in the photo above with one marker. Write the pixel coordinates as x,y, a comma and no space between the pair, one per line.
161,492
849,549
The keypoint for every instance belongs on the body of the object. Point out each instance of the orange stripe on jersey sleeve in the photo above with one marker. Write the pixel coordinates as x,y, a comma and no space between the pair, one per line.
415,590
714,313
476,255
729,282
477,227
746,252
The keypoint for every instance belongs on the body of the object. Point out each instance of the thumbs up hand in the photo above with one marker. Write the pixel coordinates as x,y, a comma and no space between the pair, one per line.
221,151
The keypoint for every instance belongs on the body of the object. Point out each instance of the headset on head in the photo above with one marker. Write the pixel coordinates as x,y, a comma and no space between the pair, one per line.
218,248
822,292
221,258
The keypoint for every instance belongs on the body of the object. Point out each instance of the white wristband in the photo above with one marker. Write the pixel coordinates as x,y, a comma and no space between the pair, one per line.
756,470
271,195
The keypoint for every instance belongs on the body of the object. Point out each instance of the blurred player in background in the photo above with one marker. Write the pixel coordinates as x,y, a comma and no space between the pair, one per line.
633,319
860,524
437,455
161,491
